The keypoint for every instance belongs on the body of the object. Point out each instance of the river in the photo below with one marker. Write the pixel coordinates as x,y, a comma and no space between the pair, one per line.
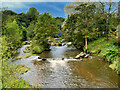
68,73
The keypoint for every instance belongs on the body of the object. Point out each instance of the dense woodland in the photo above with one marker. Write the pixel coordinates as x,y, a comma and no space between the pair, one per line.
91,27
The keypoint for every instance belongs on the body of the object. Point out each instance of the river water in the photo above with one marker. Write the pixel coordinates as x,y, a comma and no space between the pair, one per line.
68,73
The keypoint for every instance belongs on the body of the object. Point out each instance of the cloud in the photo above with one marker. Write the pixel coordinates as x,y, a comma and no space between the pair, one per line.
57,0
14,5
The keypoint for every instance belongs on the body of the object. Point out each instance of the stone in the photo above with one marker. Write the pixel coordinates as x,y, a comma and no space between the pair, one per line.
38,60
87,55
44,59
81,55
81,60
39,57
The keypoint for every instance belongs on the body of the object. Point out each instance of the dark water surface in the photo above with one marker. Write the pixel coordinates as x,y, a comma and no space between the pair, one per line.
68,73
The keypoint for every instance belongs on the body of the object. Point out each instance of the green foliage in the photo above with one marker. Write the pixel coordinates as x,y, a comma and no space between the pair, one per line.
32,14
12,32
71,34
110,55
10,76
115,66
58,22
27,50
44,29
22,19
106,49
37,48
30,32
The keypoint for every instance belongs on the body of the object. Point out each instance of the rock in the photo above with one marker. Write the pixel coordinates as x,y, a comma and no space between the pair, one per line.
69,43
38,60
44,59
81,55
39,57
81,60
60,44
87,55
52,44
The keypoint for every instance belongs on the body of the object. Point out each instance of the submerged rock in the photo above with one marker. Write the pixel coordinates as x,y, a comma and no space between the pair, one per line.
44,59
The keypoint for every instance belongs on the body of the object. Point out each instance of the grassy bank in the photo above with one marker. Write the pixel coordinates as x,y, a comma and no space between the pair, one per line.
10,73
108,50
11,76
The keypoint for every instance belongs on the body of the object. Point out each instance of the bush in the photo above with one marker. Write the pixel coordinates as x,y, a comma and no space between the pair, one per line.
37,50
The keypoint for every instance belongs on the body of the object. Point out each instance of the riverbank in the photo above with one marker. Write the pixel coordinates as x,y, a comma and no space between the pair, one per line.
11,72
106,49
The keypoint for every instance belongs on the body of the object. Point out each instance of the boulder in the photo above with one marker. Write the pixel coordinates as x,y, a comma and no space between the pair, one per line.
44,59
87,55
39,57
38,60
81,55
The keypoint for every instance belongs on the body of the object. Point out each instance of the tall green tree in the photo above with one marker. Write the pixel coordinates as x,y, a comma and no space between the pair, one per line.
70,32
85,21
32,14
44,30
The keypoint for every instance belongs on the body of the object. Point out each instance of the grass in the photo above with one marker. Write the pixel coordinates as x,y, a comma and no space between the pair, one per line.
106,49
9,72
19,57
11,76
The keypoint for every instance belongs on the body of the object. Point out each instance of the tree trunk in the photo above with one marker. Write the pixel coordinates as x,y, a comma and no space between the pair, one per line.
107,26
85,45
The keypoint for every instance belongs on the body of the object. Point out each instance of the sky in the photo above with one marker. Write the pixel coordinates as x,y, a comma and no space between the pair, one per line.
54,8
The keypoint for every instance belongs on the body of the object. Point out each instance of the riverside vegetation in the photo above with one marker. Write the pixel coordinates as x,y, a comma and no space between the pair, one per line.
16,29
89,26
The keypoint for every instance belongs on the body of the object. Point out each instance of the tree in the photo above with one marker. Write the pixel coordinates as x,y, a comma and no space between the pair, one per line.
108,8
44,30
86,21
30,32
32,14
70,32
22,19
12,32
